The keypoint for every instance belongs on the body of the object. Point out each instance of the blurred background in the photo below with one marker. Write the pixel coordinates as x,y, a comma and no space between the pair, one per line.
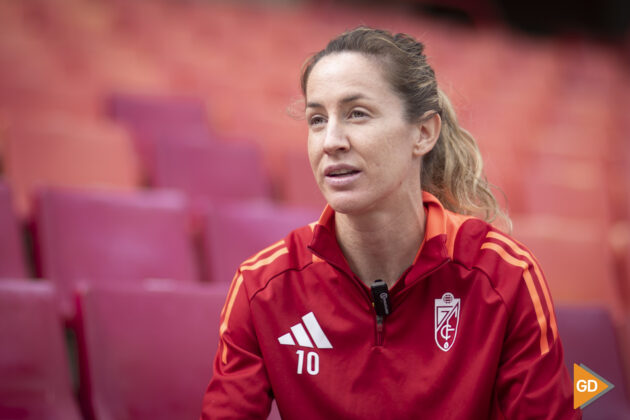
149,147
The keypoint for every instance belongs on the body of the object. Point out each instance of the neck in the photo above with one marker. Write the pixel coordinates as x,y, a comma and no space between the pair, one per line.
381,244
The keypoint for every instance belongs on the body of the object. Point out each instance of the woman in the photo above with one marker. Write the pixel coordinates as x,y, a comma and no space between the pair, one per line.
398,303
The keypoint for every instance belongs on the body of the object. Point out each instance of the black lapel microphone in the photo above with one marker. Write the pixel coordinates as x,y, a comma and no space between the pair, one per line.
380,298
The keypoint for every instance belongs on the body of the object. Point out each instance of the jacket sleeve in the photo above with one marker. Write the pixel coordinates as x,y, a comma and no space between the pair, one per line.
532,380
239,388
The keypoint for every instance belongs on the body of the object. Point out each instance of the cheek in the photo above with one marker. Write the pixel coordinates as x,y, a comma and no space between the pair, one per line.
394,155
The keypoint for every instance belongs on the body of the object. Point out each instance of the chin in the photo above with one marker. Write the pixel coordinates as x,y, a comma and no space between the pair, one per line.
348,203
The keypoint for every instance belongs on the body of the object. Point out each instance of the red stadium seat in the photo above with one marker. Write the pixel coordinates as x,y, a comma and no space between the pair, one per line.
212,170
146,351
11,253
103,237
234,232
34,370
576,258
567,187
588,337
68,153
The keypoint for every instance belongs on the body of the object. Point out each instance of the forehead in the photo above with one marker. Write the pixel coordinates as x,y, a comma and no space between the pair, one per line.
347,72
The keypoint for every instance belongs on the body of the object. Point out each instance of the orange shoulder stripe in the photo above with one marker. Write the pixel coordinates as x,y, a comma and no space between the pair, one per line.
236,286
517,249
230,291
269,248
531,288
234,289
265,261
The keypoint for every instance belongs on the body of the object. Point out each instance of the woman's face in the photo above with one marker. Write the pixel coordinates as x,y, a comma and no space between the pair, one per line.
362,150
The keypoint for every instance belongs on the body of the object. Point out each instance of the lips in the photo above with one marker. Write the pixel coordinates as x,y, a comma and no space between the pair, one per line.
340,170
341,176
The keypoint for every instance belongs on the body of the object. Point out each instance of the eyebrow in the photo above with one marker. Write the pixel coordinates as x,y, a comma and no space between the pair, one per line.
345,100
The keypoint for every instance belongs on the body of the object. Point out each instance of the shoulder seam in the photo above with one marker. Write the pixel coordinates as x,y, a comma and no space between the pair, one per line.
456,237
521,250
488,279
505,248
458,220
266,283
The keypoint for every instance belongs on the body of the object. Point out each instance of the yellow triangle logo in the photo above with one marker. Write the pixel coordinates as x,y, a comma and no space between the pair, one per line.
587,386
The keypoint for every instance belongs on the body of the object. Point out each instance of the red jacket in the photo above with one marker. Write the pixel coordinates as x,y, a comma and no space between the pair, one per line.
472,332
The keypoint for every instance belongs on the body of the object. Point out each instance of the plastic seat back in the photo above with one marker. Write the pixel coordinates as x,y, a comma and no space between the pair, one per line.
11,252
146,351
212,170
103,237
34,370
233,232
139,110
67,153
147,135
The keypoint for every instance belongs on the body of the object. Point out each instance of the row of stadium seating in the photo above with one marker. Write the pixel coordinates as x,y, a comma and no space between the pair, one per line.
104,237
144,351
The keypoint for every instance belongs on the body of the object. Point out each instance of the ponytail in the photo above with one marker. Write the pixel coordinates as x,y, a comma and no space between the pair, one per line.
453,171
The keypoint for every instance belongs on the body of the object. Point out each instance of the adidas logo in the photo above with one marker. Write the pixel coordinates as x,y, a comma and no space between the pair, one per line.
314,330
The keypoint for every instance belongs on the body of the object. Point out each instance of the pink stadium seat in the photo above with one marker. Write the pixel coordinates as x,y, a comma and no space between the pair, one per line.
102,237
146,351
67,152
11,253
34,370
156,119
211,170
236,231
146,135
588,337
134,110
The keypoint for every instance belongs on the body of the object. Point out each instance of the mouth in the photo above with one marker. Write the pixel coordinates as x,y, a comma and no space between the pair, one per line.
339,173
341,176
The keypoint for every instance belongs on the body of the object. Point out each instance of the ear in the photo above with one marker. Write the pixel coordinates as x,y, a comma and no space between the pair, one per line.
429,131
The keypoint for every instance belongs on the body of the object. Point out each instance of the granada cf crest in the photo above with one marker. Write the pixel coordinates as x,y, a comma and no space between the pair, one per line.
447,312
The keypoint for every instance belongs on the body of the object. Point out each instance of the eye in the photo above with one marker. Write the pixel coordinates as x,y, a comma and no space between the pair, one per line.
357,113
316,120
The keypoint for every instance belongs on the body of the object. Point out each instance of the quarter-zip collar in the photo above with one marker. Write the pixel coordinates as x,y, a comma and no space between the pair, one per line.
435,249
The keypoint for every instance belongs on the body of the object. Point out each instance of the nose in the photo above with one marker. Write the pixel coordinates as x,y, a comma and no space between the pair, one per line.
336,139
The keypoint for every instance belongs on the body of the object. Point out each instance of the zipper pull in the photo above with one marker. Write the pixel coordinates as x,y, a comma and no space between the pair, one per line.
380,300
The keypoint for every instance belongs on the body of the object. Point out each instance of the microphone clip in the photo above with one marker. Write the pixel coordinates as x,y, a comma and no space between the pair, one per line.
380,298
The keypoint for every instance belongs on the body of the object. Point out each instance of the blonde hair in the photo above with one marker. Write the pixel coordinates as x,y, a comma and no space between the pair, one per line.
453,170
